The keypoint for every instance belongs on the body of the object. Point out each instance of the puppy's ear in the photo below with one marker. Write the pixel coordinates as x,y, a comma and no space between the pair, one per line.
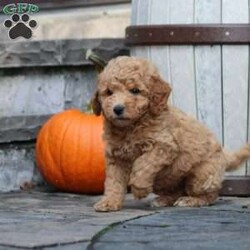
159,93
96,105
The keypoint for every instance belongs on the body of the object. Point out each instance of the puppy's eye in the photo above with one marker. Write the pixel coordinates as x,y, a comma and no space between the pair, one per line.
134,91
109,92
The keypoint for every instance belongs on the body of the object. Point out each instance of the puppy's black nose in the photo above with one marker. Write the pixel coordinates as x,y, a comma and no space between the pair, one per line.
118,109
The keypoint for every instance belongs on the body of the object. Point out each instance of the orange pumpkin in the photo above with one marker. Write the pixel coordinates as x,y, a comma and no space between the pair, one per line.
70,152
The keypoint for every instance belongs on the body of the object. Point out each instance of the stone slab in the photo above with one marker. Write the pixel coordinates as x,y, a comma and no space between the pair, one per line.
21,128
77,21
224,226
31,96
29,92
68,52
17,167
49,220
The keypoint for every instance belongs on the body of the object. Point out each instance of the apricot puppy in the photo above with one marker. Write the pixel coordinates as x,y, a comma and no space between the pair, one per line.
152,146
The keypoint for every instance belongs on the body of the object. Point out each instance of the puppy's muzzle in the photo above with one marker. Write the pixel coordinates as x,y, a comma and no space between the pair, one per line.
118,109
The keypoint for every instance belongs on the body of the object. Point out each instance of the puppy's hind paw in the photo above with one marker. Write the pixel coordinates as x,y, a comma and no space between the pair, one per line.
162,201
108,205
187,201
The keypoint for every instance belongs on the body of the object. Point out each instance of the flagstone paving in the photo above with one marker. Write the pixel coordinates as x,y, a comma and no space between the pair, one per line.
40,220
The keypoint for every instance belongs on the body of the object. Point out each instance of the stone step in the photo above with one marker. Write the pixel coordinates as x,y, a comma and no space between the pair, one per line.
39,79
17,167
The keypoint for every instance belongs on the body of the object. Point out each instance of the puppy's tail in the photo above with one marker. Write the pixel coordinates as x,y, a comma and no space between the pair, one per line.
235,159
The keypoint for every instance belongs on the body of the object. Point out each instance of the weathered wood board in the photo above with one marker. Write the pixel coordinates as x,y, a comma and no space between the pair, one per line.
235,80
209,82
208,71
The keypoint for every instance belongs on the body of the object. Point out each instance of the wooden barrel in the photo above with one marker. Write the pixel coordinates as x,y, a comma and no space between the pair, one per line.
209,71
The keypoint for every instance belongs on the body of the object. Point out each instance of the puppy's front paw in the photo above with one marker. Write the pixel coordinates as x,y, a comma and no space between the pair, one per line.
108,205
140,193
187,201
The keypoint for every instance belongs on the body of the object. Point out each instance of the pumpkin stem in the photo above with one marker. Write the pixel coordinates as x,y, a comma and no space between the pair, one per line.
98,62
89,109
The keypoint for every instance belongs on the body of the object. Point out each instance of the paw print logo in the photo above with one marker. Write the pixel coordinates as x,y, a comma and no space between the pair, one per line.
20,26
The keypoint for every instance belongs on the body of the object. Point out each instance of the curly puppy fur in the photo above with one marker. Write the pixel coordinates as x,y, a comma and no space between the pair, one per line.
152,146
